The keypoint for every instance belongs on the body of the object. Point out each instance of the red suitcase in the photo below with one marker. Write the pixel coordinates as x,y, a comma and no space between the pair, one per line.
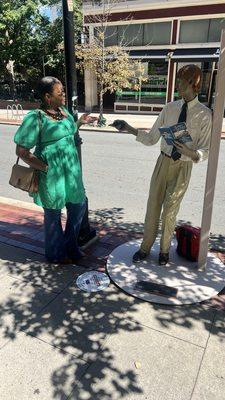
188,239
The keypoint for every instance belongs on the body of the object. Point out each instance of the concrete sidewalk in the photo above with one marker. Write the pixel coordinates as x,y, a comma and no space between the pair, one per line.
57,342
136,120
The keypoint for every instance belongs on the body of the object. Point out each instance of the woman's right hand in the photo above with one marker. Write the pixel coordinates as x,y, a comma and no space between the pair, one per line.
44,169
30,159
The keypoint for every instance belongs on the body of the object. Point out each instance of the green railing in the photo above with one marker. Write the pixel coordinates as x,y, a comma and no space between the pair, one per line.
142,94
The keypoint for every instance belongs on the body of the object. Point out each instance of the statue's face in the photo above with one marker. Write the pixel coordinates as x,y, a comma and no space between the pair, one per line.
185,88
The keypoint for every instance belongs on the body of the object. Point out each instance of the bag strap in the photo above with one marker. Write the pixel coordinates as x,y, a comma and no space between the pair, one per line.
39,125
39,133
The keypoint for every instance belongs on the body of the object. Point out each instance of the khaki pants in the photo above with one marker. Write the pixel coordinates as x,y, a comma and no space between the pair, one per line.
169,183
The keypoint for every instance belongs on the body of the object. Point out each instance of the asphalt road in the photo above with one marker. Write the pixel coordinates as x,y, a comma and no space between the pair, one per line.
117,173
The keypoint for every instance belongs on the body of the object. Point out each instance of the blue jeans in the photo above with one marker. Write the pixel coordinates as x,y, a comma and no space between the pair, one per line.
61,244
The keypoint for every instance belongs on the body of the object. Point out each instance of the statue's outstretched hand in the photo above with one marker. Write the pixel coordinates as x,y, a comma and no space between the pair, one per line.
120,125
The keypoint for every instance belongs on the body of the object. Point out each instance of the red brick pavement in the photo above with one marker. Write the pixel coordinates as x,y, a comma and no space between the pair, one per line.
23,228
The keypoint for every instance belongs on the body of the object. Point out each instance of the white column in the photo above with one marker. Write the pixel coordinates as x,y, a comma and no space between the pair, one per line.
90,82
91,98
213,157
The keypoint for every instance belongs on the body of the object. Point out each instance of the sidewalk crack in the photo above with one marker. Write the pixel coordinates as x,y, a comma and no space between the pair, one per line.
203,355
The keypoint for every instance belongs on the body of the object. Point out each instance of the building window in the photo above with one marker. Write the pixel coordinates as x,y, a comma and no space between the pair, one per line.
130,35
137,34
111,36
215,28
153,90
201,30
157,33
194,31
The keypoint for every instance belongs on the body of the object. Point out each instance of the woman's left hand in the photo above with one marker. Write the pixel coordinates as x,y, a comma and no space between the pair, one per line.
86,119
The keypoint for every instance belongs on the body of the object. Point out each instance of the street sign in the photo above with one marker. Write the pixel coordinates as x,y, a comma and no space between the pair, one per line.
70,5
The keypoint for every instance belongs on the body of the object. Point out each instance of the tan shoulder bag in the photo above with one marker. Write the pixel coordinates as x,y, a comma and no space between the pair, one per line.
25,178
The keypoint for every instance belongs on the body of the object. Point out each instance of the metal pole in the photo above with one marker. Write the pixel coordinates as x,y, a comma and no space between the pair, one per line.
43,65
86,234
69,52
213,158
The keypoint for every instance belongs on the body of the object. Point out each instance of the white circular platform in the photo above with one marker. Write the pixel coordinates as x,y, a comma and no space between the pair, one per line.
193,286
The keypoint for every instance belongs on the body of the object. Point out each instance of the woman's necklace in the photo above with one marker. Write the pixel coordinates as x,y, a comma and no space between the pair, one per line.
58,116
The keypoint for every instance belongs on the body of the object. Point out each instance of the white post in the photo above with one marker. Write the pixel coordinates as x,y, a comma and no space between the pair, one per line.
213,157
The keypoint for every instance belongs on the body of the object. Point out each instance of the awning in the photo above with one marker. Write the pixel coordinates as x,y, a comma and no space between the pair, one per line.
203,53
149,54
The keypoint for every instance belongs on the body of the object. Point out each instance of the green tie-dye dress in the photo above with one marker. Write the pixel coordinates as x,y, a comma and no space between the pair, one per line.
54,145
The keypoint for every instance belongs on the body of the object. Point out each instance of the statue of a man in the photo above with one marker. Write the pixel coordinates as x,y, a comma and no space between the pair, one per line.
172,172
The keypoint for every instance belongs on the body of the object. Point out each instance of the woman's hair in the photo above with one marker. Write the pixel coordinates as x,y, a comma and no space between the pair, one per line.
46,85
192,74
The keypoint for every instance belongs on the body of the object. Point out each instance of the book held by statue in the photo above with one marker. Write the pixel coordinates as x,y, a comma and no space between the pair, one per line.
177,132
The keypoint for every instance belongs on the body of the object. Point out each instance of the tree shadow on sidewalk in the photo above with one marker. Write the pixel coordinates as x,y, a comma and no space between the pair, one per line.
78,324
113,219
72,321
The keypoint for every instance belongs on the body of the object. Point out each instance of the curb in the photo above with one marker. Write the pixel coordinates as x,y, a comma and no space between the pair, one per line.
9,122
21,204
87,128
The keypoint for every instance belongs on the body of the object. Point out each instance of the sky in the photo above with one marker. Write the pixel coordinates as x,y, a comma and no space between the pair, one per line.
50,12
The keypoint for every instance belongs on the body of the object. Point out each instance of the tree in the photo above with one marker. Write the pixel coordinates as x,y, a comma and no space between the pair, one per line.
30,42
113,69
111,65
18,22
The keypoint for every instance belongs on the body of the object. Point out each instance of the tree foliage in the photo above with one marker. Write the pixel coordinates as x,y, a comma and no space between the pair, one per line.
111,65
30,41
20,32
118,71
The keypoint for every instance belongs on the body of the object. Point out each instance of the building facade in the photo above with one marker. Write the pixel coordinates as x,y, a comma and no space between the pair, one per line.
164,35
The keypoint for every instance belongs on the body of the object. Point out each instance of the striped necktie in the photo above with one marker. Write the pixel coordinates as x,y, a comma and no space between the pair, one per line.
182,118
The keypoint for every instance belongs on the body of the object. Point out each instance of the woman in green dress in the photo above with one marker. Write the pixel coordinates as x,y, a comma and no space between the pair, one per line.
51,131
